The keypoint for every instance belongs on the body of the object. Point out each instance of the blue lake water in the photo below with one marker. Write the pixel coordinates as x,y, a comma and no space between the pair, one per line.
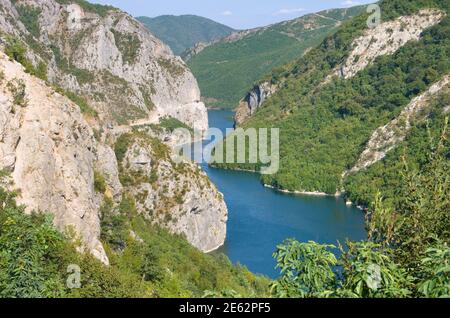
261,218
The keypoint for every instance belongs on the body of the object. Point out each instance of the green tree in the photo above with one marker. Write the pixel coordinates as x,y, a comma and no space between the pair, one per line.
436,272
370,272
306,269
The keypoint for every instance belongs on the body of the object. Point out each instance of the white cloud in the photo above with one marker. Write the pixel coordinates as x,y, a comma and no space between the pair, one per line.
349,3
289,11
227,13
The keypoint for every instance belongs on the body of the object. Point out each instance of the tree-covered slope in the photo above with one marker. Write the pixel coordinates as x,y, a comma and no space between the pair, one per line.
387,175
227,69
325,122
183,32
407,253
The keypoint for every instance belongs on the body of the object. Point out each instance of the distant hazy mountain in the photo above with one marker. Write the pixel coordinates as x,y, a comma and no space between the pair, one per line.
183,32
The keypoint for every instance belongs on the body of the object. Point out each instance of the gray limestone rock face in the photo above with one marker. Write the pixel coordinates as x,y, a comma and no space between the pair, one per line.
111,59
388,137
177,196
385,39
50,151
131,79
253,100
106,164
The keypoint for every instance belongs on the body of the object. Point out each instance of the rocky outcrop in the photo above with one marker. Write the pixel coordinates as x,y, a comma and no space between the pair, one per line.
254,100
50,151
386,138
107,166
385,39
109,58
52,155
177,196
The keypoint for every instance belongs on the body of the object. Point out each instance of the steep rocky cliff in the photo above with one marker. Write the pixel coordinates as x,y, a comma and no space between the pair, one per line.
49,150
108,57
178,196
385,39
58,152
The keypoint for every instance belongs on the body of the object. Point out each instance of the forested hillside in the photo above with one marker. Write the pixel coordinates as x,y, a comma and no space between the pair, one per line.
226,70
386,176
185,31
363,114
326,121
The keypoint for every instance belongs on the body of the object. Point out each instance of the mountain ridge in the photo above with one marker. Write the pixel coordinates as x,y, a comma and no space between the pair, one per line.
326,121
68,40
228,68
182,32
100,75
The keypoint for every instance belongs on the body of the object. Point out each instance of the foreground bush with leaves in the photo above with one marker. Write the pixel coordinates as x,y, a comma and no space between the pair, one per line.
366,270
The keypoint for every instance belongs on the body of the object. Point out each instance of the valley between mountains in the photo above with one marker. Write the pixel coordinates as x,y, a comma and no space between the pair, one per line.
90,98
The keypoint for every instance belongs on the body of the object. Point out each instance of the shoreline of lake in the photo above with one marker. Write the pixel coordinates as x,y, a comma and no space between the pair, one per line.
309,193
261,218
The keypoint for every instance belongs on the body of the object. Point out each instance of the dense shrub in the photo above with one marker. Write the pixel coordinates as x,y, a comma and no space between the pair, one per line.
35,257
128,44
99,182
99,9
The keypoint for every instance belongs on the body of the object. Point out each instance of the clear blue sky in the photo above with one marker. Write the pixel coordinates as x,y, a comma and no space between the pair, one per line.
239,14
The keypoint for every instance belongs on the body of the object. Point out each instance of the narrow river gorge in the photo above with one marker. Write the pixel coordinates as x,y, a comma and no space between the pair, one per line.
261,218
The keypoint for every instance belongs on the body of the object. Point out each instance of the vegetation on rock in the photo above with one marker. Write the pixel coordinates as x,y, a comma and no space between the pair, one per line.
101,10
29,16
128,44
146,261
